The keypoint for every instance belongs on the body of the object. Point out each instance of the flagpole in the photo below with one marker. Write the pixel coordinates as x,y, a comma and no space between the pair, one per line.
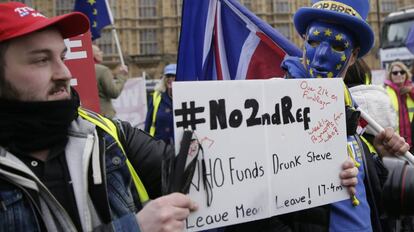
118,45
378,128
114,33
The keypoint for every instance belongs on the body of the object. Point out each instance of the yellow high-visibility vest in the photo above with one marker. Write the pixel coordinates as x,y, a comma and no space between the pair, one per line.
109,127
394,99
156,100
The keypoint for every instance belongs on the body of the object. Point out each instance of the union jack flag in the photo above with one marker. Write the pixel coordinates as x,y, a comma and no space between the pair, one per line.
222,40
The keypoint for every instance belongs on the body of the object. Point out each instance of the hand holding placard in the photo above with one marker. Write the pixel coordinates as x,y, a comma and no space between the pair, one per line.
270,146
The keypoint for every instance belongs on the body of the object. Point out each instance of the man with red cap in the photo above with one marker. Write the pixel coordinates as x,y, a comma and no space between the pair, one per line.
63,168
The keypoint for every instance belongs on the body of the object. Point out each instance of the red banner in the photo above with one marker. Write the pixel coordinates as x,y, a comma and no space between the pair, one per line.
79,59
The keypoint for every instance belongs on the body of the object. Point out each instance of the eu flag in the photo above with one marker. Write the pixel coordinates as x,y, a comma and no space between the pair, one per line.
98,13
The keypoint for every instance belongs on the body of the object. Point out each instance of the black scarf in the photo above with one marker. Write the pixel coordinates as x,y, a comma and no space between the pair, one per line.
32,126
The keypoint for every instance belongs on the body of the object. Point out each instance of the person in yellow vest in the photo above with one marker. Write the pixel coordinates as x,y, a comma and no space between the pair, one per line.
159,121
399,87
64,168
110,84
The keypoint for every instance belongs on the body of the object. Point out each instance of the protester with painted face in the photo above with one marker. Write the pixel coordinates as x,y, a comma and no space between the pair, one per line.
64,168
336,35
328,50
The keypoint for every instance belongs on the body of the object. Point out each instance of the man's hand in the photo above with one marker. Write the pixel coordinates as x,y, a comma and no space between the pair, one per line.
121,70
348,176
166,213
389,143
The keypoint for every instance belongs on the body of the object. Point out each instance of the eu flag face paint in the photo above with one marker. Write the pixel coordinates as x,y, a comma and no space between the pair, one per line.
328,48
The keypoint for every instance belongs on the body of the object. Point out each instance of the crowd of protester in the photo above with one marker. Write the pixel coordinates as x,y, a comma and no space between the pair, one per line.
65,168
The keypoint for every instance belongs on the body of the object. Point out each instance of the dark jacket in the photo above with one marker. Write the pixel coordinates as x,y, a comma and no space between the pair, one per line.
26,202
164,124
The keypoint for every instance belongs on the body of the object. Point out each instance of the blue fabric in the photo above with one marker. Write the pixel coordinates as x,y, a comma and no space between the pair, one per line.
126,223
190,61
409,42
344,216
344,12
240,30
164,122
121,190
15,214
98,14
294,67
170,69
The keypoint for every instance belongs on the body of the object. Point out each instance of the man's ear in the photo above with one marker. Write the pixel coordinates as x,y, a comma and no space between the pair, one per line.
354,56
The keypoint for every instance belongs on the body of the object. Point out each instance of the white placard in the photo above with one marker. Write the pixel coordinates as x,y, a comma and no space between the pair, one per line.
131,105
270,146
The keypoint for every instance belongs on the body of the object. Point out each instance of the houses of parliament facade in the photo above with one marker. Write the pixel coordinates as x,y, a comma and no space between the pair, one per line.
149,30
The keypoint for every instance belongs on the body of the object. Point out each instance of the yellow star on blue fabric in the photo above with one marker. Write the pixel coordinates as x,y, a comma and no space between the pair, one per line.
316,33
330,74
95,24
338,67
95,12
91,2
328,32
338,37
347,44
343,58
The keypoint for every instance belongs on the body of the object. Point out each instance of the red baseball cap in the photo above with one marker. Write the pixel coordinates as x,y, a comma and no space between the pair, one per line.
17,19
